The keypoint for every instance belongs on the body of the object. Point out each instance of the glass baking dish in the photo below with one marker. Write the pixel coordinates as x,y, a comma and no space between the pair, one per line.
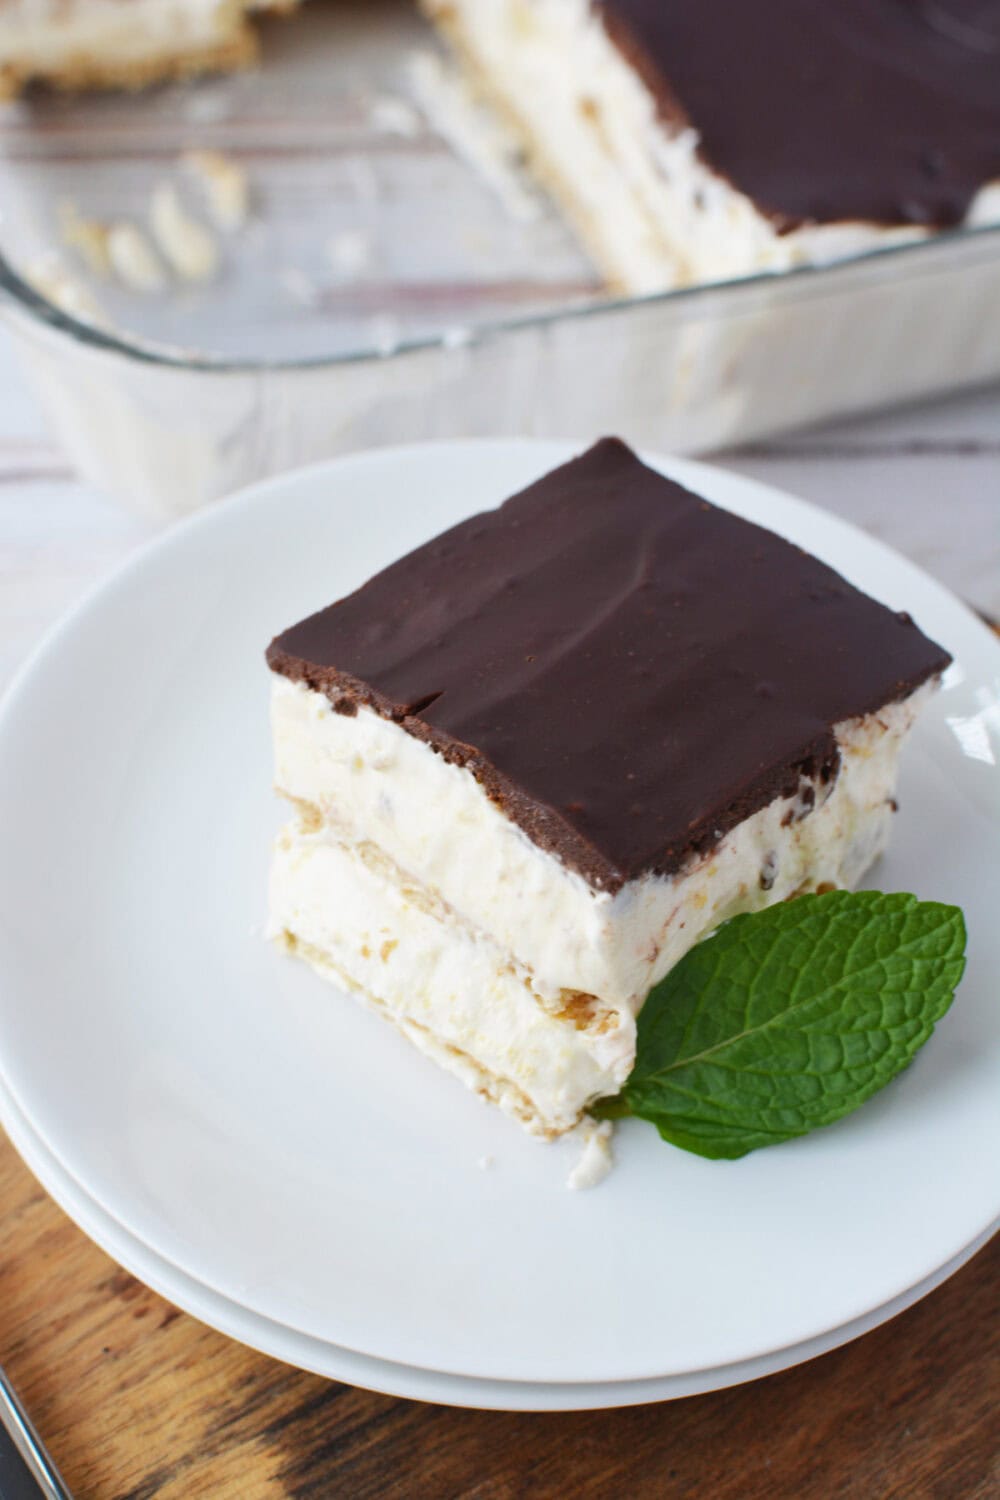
383,289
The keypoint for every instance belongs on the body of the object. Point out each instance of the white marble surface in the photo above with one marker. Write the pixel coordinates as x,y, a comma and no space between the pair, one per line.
925,480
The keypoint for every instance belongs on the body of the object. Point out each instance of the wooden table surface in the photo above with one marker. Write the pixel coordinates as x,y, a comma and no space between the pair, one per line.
137,1400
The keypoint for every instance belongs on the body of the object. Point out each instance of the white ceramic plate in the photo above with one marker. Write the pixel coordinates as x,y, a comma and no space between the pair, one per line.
403,1380
284,1148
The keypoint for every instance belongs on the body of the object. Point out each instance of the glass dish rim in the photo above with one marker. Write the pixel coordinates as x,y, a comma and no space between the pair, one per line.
802,278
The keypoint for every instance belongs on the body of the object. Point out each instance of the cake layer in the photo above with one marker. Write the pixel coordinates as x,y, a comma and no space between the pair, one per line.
628,671
451,990
671,187
122,43
374,783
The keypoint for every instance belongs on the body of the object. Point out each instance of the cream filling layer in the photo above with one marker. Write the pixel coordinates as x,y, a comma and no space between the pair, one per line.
652,212
448,988
373,784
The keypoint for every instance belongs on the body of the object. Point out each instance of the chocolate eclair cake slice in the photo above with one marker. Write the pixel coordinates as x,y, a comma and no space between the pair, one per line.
535,760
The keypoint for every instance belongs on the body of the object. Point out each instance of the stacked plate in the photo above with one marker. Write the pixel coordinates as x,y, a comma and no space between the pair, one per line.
277,1161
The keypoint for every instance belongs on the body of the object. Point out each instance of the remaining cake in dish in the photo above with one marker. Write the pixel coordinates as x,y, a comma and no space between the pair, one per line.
77,44
690,142
537,759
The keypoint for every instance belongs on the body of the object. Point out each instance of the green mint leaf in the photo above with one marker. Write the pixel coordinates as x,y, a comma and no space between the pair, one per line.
789,1018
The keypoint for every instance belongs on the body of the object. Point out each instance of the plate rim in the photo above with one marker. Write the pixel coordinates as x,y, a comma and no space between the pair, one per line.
304,1351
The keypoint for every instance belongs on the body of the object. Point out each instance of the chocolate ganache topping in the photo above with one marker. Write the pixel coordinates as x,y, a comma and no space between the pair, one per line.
886,111
628,670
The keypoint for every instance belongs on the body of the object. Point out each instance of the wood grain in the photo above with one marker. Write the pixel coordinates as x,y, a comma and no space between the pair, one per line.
136,1400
